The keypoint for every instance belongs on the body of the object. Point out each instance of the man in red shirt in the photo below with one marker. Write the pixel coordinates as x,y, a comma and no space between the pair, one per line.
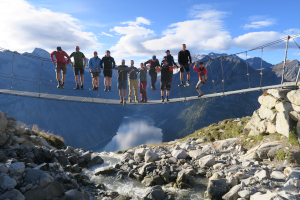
202,71
61,65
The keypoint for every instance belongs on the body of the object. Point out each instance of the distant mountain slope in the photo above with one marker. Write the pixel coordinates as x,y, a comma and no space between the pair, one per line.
291,70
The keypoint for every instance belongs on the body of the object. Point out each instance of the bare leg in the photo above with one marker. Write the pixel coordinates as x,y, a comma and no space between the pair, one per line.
162,93
168,92
125,93
181,76
97,81
120,93
57,77
76,79
105,81
109,78
82,78
188,76
64,78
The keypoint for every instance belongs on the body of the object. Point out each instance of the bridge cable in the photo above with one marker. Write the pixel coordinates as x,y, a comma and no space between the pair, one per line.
212,77
12,71
40,78
51,78
222,73
247,70
261,67
296,43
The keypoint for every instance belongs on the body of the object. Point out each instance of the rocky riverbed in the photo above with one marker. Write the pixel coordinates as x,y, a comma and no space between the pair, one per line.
201,166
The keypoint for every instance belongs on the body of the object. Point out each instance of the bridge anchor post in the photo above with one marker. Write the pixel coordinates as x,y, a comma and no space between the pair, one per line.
286,50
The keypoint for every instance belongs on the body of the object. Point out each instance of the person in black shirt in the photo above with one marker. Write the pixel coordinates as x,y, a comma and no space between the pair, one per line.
154,64
185,61
165,80
171,64
109,66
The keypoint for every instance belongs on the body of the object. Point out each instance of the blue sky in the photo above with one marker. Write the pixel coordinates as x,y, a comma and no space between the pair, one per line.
138,29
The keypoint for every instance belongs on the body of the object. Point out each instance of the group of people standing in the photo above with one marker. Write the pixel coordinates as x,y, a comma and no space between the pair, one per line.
128,74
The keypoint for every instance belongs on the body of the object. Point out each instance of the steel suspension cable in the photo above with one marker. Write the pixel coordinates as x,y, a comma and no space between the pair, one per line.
222,74
247,70
51,78
40,78
261,67
12,71
212,77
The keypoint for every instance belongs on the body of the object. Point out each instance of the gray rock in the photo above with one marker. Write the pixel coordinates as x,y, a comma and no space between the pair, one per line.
232,194
139,153
12,195
3,123
142,170
2,155
151,156
207,161
73,159
216,189
197,154
179,154
4,137
75,194
156,193
148,181
278,93
106,170
3,168
294,115
266,113
158,180
86,156
232,181
17,168
263,174
63,160
97,160
33,175
244,194
45,179
279,176
294,97
7,183
283,124
284,107
268,101
52,191
18,140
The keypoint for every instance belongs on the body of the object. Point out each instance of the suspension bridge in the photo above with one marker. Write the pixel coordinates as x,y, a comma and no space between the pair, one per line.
98,100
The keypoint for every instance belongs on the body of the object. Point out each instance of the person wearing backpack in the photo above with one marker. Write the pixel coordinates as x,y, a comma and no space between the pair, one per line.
143,82
154,65
202,71
171,64
78,66
95,70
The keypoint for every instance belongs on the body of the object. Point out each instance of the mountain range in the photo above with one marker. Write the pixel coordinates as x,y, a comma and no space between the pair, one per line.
84,125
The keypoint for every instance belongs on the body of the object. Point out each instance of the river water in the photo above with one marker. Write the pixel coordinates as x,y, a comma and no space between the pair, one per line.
133,131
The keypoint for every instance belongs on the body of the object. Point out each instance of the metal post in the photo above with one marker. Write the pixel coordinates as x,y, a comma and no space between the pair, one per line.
286,49
297,76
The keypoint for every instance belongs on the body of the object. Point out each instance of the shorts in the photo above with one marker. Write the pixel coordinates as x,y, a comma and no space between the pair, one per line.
77,70
165,85
62,68
122,85
95,74
107,72
185,67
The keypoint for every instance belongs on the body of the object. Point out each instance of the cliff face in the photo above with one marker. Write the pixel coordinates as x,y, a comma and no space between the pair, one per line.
291,70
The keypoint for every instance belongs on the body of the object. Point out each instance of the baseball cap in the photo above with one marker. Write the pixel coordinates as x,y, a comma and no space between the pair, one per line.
168,51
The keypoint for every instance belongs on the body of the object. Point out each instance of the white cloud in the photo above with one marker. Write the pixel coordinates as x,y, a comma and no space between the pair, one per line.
205,32
297,54
24,27
109,35
292,31
259,24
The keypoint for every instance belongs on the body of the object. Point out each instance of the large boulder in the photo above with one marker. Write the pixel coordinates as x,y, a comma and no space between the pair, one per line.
4,137
266,113
106,170
268,101
284,107
224,144
139,153
155,193
255,119
17,168
45,179
179,154
97,160
151,156
278,93
7,183
197,154
52,191
271,128
233,193
207,161
3,121
294,115
75,194
63,160
294,97
13,195
283,123
33,175
216,189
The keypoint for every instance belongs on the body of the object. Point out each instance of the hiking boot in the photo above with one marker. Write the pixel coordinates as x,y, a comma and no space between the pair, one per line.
94,88
168,99
162,100
181,85
82,87
130,101
142,101
145,101
62,86
105,89
136,100
200,95
121,101
124,102
59,85
77,87
109,89
188,83
97,88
